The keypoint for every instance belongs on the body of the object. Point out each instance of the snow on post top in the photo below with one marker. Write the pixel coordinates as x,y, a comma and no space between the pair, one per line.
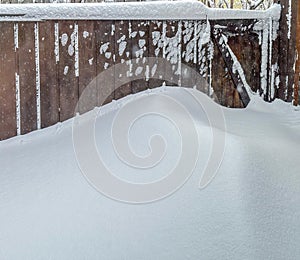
158,10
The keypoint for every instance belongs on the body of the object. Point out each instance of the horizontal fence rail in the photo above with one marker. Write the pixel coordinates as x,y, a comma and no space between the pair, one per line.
237,4
193,10
47,61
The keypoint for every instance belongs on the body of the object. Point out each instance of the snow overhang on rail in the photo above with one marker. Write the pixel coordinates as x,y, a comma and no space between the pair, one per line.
158,10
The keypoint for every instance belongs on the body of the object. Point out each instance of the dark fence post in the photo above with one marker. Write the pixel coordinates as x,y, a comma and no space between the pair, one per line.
287,50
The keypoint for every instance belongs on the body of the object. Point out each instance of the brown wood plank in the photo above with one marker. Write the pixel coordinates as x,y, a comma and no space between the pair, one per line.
292,51
229,61
221,80
246,48
155,50
27,72
8,126
122,54
189,52
87,64
203,54
140,53
196,56
48,75
172,49
286,50
105,42
68,80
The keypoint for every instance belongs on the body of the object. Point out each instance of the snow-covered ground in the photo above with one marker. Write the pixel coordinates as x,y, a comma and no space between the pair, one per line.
250,210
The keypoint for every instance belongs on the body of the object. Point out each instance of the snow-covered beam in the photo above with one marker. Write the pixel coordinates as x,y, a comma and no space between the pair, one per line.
158,10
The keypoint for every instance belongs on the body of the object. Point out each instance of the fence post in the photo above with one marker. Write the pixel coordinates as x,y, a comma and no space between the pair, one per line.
287,50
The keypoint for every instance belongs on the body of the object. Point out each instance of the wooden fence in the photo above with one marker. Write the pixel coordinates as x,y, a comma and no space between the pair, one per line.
46,64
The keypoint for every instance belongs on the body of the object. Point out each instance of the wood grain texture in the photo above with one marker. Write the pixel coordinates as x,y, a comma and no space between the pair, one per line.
105,49
68,81
48,75
8,126
139,41
122,54
87,65
155,50
27,73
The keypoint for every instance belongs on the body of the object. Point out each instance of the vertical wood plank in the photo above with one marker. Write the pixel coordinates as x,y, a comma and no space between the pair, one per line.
155,50
139,53
48,75
27,72
122,54
221,80
287,41
172,48
8,127
87,64
105,49
68,80
292,51
247,50
189,53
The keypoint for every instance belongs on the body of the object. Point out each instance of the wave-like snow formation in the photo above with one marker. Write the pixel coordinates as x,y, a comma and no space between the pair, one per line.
250,209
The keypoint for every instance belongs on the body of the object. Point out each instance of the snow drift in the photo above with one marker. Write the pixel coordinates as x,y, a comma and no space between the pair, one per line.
250,210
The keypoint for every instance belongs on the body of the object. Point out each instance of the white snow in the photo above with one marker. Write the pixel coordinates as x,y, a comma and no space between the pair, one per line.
37,75
160,10
64,39
250,210
56,43
76,47
16,36
289,19
18,103
85,34
66,70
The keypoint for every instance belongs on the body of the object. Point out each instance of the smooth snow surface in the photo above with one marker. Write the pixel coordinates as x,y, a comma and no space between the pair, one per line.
159,10
249,211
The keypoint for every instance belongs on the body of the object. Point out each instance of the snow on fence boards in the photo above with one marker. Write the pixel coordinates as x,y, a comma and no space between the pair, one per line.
156,50
122,53
139,45
48,74
105,50
68,72
87,61
72,53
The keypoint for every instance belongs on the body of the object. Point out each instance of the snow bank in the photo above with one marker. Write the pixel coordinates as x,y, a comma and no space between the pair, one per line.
158,10
250,210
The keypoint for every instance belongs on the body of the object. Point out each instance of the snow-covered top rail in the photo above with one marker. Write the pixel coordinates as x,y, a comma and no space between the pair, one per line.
160,10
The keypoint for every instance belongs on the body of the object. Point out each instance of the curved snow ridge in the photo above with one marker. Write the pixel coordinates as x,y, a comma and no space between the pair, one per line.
49,210
158,10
